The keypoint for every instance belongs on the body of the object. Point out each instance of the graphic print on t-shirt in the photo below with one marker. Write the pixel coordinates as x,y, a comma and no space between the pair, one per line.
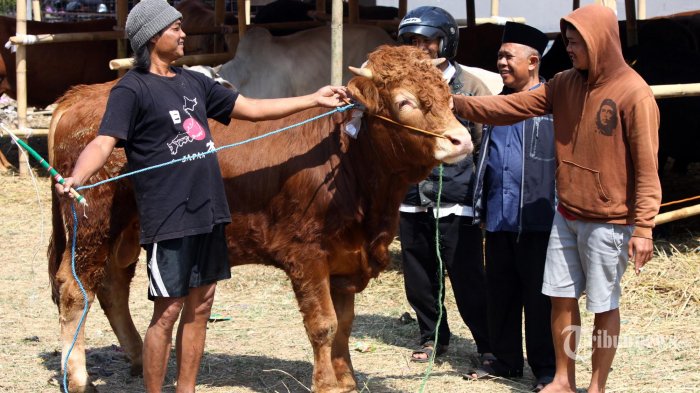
193,129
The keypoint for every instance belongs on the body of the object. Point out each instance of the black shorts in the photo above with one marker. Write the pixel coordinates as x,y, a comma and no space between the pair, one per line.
175,265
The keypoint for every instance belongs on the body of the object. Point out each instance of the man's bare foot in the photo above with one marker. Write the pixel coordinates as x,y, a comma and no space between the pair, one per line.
557,387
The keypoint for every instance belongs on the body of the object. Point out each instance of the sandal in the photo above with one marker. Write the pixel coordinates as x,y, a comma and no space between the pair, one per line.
492,370
428,348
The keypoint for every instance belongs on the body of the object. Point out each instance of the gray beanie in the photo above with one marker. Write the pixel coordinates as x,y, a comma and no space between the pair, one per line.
147,19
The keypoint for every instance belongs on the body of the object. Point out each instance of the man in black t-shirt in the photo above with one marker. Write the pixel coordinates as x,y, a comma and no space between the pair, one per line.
159,113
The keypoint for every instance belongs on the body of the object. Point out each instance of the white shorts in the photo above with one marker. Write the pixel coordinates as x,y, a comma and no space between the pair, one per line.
586,256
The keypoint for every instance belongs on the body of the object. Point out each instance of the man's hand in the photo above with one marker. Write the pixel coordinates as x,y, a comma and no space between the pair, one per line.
63,190
331,96
640,250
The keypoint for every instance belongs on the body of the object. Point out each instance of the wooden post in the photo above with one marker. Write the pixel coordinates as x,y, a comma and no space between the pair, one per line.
337,43
471,13
576,5
122,44
403,8
494,7
642,11
243,17
21,64
632,38
219,14
353,11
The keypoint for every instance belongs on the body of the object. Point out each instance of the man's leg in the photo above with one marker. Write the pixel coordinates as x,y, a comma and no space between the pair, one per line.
605,338
156,344
566,318
417,235
191,335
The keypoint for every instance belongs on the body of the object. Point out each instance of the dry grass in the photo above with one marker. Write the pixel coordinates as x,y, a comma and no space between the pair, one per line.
264,347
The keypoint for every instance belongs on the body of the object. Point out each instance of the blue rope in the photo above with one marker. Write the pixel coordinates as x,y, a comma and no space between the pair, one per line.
82,289
198,155
182,160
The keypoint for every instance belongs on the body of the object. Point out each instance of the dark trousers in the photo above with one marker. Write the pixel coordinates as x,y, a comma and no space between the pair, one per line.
514,270
461,249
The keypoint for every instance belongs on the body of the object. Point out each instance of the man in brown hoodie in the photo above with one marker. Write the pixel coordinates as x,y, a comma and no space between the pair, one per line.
606,130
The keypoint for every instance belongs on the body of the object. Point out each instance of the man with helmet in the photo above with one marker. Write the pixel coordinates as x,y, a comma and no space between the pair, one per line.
435,31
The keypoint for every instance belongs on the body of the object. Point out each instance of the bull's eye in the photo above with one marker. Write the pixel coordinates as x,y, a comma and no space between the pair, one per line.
405,105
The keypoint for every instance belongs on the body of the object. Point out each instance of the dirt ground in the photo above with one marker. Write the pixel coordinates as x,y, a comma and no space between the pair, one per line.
263,348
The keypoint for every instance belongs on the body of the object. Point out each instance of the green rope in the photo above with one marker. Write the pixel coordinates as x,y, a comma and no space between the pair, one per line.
441,278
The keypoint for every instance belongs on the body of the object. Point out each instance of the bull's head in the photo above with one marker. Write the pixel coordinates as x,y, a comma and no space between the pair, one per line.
402,83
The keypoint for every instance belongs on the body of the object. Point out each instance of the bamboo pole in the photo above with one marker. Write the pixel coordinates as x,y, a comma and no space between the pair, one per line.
679,90
337,43
36,10
494,7
21,67
207,59
677,214
36,39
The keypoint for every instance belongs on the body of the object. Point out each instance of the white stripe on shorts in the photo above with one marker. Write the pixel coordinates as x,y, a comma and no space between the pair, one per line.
155,273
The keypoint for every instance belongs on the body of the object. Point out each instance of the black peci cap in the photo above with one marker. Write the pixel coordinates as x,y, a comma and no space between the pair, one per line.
526,35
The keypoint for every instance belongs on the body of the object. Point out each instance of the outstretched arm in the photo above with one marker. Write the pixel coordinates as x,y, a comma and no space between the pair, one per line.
503,109
275,108
91,159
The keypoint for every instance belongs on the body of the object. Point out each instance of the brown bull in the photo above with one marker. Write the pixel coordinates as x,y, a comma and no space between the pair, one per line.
315,202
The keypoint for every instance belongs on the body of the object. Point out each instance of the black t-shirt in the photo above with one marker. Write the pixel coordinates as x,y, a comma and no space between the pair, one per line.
159,119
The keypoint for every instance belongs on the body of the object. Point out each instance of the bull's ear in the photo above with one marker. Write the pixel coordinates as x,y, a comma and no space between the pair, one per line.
365,92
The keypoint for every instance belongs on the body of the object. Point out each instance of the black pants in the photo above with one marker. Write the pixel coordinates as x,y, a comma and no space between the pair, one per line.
514,270
461,249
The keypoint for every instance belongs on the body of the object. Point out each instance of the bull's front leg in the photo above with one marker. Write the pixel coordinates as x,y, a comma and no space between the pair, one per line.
70,309
312,289
344,303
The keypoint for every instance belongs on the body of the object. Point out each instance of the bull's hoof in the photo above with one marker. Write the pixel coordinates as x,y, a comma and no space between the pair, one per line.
136,370
89,388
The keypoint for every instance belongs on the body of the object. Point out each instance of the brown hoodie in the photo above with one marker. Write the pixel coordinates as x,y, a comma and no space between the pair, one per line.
606,168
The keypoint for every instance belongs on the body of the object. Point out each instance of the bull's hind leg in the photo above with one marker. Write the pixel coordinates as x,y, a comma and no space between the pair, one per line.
344,303
113,295
313,294
70,308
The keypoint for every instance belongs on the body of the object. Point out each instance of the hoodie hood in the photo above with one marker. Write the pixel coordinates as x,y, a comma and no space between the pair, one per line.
598,26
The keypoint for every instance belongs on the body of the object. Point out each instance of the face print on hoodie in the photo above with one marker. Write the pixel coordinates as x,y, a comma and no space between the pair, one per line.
606,118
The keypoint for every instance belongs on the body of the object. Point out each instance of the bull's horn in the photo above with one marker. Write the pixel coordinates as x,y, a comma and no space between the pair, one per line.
437,62
366,72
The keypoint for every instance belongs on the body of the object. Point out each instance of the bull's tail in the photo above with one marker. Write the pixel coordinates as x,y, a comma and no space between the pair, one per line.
57,244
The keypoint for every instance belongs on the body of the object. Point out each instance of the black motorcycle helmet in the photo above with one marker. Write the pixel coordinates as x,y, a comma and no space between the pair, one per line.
431,22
